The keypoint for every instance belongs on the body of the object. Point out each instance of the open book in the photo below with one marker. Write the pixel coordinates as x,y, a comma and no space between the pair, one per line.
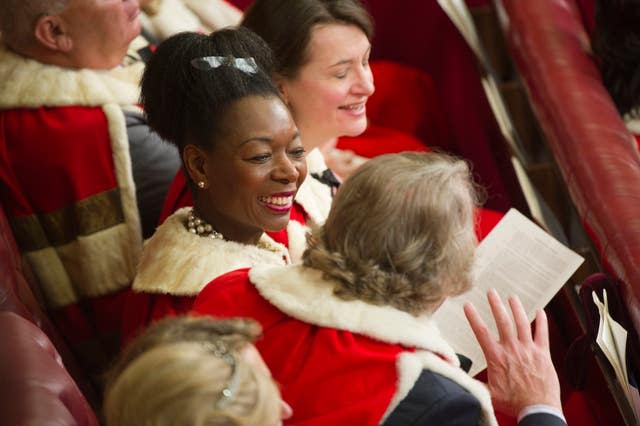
516,258
612,340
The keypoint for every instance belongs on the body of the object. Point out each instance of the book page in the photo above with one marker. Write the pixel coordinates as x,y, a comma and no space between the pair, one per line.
516,258
612,340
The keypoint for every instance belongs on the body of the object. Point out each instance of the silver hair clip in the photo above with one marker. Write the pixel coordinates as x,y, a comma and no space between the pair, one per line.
221,350
207,63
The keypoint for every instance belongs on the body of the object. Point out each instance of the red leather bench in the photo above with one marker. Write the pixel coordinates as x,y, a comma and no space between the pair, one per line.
597,156
595,153
21,312
36,388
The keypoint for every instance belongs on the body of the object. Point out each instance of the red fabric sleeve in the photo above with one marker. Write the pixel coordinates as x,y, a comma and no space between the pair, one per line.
486,220
141,309
378,140
43,157
178,195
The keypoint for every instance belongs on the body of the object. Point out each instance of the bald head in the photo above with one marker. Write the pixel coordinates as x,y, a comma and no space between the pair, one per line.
91,34
19,17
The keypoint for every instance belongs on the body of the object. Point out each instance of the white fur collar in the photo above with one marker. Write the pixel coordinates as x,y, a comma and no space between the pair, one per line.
171,17
633,124
27,83
411,364
215,14
179,263
302,293
314,196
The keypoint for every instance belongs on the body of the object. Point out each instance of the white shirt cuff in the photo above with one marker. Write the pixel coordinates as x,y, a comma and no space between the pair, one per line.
540,408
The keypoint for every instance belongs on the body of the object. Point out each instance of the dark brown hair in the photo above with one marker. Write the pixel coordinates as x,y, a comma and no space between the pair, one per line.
286,26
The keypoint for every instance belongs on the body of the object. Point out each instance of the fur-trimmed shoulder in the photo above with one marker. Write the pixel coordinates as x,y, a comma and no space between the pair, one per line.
170,17
633,124
179,263
27,83
304,294
215,14
297,237
314,196
411,364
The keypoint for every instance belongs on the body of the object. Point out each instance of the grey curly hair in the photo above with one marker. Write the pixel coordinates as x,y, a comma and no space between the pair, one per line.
400,232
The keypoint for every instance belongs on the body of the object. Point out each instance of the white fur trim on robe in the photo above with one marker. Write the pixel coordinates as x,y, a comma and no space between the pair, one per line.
215,14
304,294
170,17
633,124
314,196
26,83
410,366
177,262
297,238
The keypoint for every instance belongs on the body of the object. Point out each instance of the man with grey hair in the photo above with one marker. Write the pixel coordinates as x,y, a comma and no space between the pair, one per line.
81,176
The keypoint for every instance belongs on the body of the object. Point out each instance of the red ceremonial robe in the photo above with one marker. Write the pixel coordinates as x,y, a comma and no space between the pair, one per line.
338,362
68,191
176,264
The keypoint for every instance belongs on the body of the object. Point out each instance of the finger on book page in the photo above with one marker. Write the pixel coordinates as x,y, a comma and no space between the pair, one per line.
501,316
480,330
520,318
542,329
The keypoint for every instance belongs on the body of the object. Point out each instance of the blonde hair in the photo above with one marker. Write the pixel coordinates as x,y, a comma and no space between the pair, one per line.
171,375
400,232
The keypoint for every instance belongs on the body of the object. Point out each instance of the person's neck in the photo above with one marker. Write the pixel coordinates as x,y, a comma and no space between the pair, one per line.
231,231
310,140
62,60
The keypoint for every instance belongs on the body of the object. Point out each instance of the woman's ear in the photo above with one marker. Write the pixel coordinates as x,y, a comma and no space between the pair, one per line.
51,32
195,162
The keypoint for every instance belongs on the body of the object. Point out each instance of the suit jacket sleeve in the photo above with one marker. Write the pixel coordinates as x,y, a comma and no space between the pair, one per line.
541,419
436,400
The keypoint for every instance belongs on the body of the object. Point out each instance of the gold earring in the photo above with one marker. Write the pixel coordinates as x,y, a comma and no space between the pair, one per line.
201,184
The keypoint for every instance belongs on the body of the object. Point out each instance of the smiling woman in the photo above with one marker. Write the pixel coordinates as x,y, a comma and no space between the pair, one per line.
212,97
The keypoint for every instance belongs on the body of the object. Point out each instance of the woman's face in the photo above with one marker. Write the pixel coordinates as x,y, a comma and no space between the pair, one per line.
254,170
329,93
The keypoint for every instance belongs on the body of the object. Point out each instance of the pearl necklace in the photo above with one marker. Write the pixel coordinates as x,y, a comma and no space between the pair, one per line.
198,226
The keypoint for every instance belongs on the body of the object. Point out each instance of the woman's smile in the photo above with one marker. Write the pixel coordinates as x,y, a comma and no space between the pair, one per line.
280,203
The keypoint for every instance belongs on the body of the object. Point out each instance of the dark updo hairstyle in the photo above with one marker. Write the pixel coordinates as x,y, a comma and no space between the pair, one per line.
286,26
616,44
186,105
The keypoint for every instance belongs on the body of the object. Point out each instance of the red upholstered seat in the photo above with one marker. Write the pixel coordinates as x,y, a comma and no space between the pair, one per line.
595,153
16,297
36,388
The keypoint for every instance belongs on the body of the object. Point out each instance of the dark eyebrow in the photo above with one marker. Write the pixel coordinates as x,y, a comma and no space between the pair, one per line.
342,62
348,61
266,139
